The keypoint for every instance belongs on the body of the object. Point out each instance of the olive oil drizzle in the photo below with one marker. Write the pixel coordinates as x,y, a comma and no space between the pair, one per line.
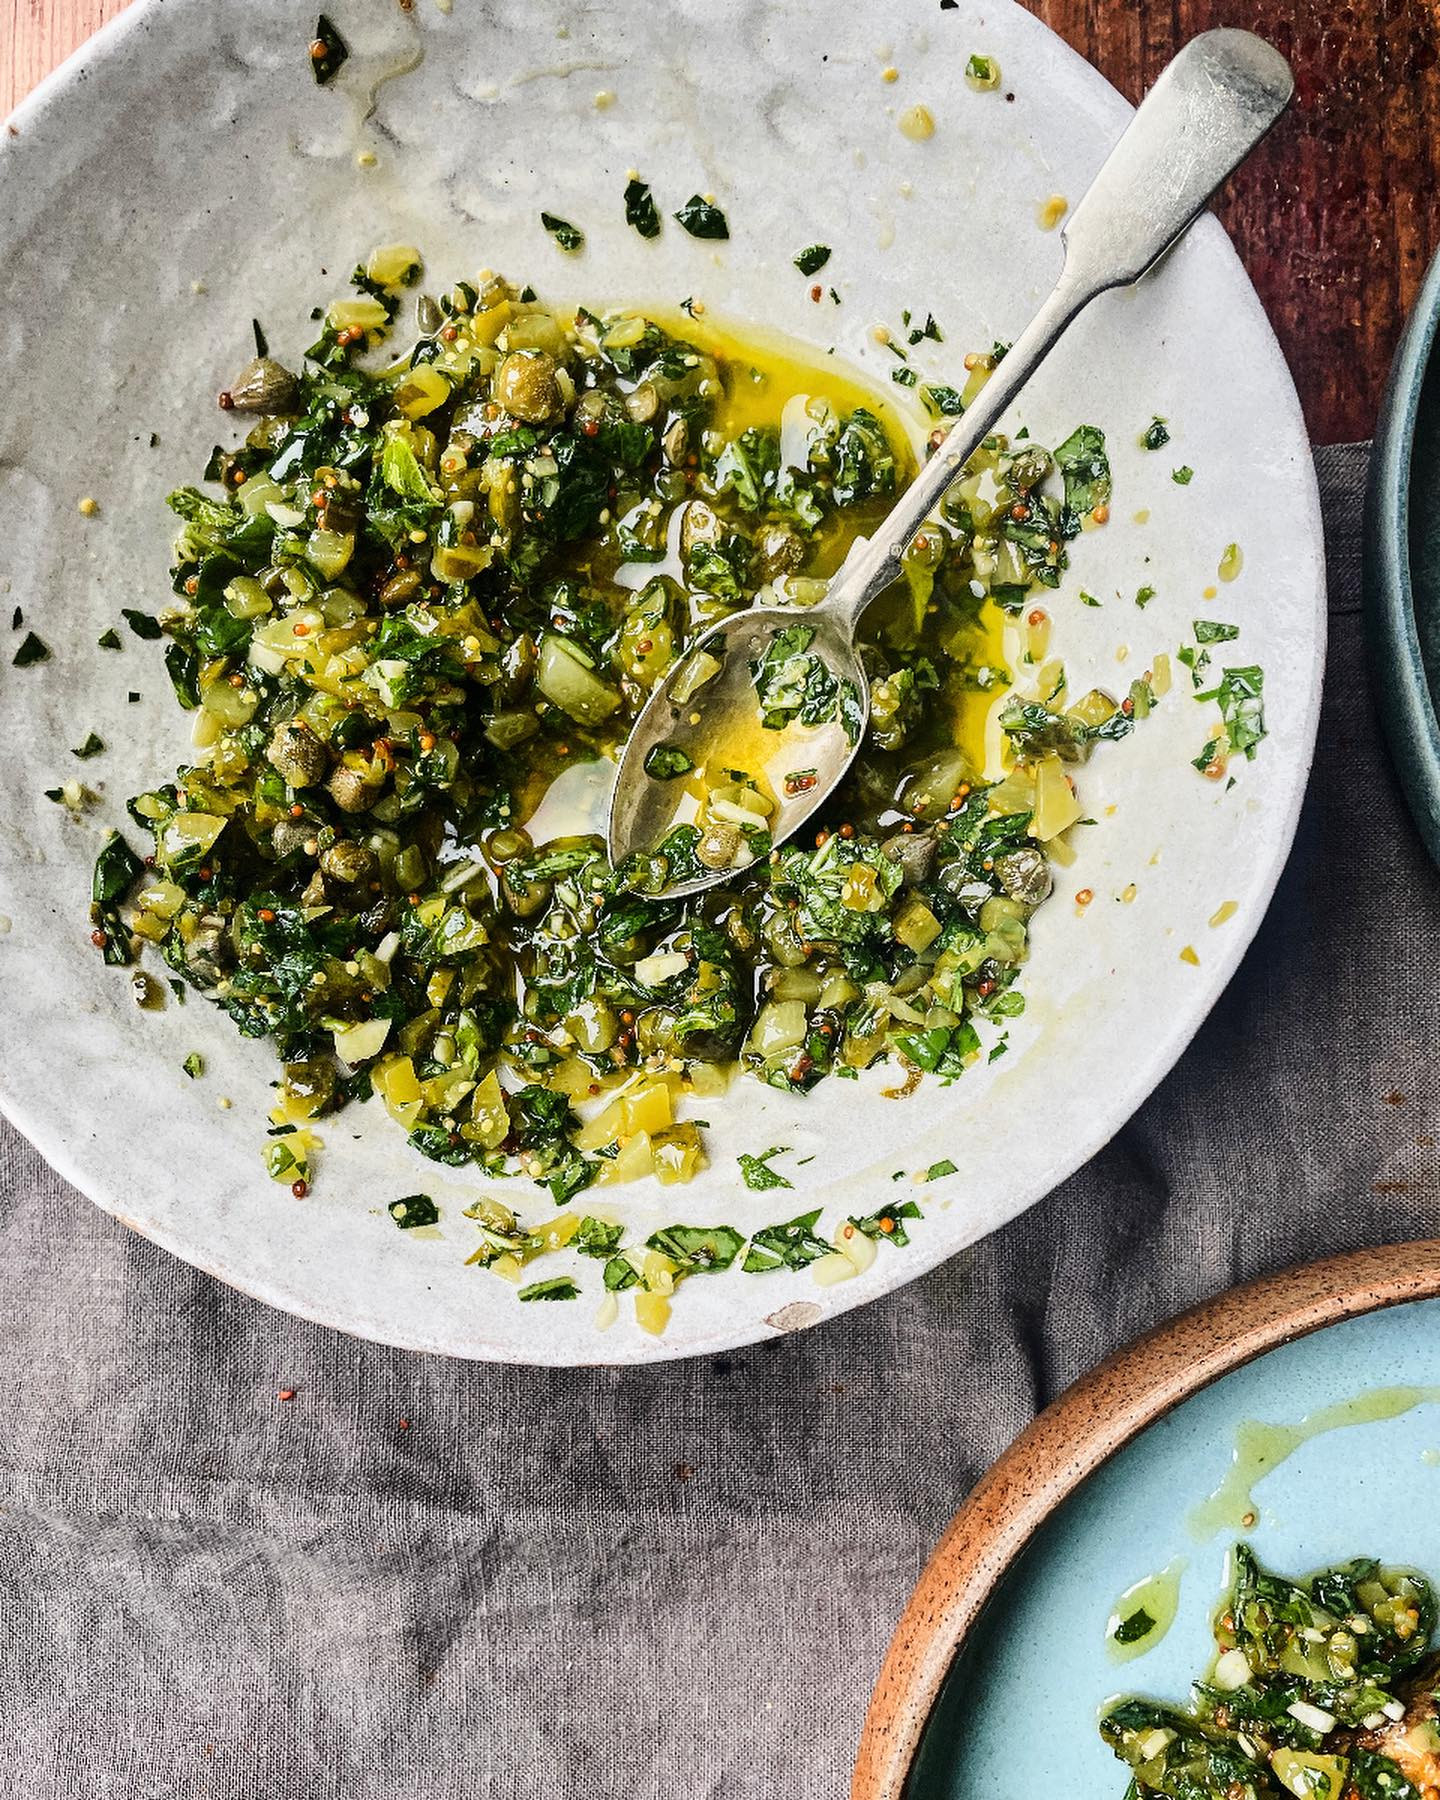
1260,1448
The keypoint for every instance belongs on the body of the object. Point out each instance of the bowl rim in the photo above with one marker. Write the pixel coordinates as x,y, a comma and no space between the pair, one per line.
1405,696
1073,1438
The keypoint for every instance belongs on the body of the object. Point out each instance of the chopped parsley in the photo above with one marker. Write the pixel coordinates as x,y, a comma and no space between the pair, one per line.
109,640
328,53
1242,708
790,1246
981,72
664,762
1211,631
812,258
889,1223
558,1287
1155,435
1133,1627
640,208
1144,595
32,650
413,1210
757,1173
92,746
194,1063
1183,476
941,402
702,218
938,1171
566,235
1085,468
597,1237
141,623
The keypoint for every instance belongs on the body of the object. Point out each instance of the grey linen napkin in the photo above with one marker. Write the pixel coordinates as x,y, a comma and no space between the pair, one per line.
622,1585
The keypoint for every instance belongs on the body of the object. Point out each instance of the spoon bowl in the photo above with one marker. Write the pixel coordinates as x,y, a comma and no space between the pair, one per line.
721,725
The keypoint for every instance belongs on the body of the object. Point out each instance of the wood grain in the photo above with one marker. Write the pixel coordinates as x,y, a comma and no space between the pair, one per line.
1336,216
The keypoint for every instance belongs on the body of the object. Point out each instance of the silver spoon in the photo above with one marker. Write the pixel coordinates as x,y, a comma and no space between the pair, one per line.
1208,110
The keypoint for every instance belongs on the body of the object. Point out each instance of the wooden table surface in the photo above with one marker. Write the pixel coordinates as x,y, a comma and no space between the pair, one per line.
1336,216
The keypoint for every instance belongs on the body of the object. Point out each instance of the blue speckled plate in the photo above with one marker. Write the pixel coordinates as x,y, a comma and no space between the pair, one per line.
1366,1488
1000,1666
1402,562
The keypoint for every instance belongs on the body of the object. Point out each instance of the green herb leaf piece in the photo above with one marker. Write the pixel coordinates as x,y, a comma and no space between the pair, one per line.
566,235
194,1063
1242,708
702,218
758,1174
1212,631
813,258
790,1246
597,1237
1130,1630
640,209
889,1223
558,1287
941,402
1155,435
1183,476
413,1210
1085,468
698,1249
32,650
328,53
109,640
664,762
140,623
92,746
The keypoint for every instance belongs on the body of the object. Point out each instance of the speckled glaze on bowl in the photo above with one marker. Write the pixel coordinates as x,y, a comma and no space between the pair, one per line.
1096,1495
185,174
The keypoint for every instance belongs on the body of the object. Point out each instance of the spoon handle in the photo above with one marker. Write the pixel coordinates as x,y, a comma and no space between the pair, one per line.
1210,107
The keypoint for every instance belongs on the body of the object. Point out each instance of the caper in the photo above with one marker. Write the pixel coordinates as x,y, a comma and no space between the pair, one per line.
505,845
915,852
783,940
347,861
643,404
525,386
350,791
676,440
780,550
718,847
297,753
524,898
701,524
594,1026
400,588
428,315
263,386
1024,874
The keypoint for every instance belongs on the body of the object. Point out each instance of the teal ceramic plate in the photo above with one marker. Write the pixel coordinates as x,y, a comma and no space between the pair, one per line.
1255,1417
1366,1488
1402,562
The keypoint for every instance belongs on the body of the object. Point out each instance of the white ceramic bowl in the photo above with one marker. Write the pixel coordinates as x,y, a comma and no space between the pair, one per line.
184,174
